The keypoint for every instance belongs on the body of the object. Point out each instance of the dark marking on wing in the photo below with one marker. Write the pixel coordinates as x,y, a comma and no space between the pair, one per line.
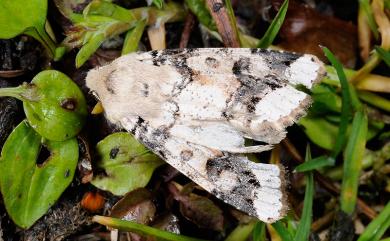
109,82
212,62
186,155
145,90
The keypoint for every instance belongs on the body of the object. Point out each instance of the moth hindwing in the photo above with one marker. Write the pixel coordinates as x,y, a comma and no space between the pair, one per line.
194,107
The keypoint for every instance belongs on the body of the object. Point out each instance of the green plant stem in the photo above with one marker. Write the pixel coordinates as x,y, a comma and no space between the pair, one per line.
371,82
241,232
372,62
353,156
44,39
141,229
378,226
375,100
23,92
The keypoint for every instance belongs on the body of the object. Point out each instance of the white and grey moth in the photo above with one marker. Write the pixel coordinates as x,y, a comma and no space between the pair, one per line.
194,107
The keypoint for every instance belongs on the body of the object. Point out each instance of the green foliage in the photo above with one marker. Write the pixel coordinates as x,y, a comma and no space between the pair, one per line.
274,28
315,163
378,226
158,3
199,8
385,55
30,189
365,5
283,232
25,17
303,229
133,37
123,159
259,232
241,232
102,20
353,155
345,106
54,105
141,229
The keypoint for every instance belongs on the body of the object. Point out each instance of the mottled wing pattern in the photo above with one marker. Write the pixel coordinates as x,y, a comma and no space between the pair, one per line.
194,108
255,188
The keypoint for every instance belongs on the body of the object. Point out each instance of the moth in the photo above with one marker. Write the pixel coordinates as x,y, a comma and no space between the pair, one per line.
195,107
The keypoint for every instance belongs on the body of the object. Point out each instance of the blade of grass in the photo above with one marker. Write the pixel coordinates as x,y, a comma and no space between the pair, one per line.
375,100
303,229
371,82
158,3
133,37
345,106
378,226
241,232
141,229
315,163
365,5
353,156
259,232
282,231
274,28
385,55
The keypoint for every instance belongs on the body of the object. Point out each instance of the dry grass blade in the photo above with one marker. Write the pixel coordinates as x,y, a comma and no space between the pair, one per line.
226,28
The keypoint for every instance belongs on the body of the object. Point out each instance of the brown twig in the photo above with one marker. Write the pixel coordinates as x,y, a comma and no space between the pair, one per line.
225,27
185,35
326,182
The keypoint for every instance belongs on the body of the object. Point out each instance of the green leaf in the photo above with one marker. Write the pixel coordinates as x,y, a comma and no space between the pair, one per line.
315,163
282,231
133,37
325,100
320,131
346,107
365,5
60,111
158,3
30,189
378,226
108,9
102,20
141,229
274,28
199,8
353,156
54,105
16,16
241,232
385,55
303,229
25,16
127,164
259,232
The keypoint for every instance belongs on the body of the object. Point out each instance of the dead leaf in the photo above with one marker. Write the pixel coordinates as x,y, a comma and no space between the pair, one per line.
304,30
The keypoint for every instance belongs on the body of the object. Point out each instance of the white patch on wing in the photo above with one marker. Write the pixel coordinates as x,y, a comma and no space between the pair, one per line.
305,70
213,135
275,105
227,180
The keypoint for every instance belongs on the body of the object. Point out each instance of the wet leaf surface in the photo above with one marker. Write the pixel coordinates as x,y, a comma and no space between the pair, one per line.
30,189
123,159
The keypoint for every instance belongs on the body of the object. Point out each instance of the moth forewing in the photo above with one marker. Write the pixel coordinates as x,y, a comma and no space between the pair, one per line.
193,107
